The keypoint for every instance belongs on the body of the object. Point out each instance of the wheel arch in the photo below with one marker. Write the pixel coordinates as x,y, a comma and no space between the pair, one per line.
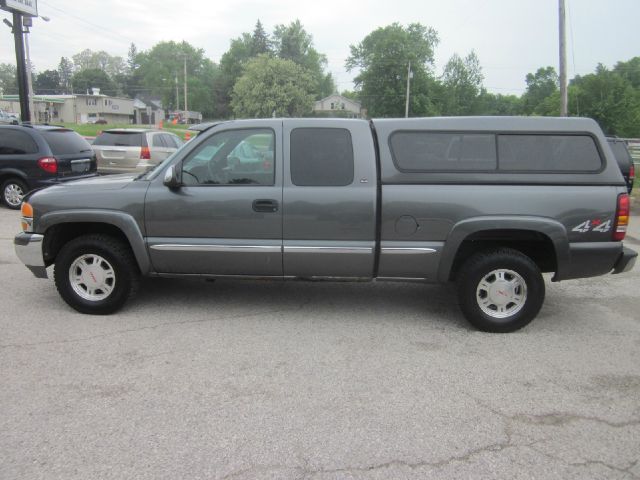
533,236
7,173
59,227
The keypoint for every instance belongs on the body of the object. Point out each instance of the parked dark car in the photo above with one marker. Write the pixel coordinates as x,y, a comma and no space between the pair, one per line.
38,156
625,162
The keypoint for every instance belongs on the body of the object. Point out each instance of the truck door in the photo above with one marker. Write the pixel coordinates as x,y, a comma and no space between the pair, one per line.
329,197
226,218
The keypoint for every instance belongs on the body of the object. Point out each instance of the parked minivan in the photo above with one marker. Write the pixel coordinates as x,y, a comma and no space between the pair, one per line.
133,150
38,156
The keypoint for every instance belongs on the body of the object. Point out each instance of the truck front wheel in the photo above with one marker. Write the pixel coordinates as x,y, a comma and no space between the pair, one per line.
96,274
500,290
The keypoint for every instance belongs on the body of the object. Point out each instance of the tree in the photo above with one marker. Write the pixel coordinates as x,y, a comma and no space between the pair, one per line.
462,82
540,86
65,73
497,104
232,66
292,42
383,58
8,82
47,83
84,80
259,41
608,98
272,86
132,59
630,71
89,60
164,62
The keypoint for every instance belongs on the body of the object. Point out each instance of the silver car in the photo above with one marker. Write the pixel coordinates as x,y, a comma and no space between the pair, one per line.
133,150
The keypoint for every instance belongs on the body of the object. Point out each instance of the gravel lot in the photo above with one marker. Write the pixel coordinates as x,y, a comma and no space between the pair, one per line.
270,380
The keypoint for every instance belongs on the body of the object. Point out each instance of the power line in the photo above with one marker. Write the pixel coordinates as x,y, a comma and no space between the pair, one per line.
102,28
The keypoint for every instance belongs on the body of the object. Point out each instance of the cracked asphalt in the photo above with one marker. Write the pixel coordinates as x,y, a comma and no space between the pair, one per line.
269,380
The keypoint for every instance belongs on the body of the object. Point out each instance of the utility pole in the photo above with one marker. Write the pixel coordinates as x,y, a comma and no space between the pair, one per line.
409,76
25,114
177,96
563,59
186,109
28,22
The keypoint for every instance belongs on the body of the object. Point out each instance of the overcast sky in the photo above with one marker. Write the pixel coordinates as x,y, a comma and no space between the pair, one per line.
511,37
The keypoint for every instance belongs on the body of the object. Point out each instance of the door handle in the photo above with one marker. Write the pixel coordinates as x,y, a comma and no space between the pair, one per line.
265,205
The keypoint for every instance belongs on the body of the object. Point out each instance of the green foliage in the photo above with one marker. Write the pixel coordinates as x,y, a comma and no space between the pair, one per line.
47,83
232,65
610,99
272,86
89,60
500,105
84,80
462,82
8,82
630,71
65,73
540,86
259,41
164,62
288,42
383,58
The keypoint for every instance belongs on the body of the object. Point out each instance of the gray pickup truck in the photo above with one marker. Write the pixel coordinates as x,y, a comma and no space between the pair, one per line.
488,203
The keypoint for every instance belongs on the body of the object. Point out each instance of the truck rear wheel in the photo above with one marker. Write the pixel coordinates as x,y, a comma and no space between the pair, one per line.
500,290
96,274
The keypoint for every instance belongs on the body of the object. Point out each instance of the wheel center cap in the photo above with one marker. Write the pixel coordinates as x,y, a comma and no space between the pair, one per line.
501,293
93,276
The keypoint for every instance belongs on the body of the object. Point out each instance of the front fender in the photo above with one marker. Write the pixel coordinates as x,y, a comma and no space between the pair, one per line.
552,229
123,221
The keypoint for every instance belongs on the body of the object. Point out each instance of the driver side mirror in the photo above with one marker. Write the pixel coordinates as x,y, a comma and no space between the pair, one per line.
173,176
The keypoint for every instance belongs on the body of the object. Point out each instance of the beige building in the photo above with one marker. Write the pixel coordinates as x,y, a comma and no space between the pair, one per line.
75,108
337,105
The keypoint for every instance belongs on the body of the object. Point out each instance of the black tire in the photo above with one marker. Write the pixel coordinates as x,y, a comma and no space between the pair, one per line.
111,259
510,295
13,190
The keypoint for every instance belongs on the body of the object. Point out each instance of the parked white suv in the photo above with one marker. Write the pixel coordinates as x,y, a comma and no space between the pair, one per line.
133,150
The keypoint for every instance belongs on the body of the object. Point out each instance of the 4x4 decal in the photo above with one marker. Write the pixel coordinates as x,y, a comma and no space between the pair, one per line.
596,225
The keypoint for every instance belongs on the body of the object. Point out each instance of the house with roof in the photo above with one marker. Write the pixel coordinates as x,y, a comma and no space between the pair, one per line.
336,105
76,108
148,110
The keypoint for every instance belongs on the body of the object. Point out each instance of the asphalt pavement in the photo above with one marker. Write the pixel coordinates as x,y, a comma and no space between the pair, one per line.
286,380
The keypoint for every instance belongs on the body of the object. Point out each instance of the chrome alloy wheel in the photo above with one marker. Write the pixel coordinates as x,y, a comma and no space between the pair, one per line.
13,194
92,277
501,293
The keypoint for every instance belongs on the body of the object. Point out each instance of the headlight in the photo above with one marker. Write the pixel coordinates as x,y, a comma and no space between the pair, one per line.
27,217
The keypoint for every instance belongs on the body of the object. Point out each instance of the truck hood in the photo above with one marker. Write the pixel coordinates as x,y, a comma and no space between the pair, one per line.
109,192
104,182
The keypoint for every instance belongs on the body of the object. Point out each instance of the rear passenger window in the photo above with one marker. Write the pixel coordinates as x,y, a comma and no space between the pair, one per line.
157,141
548,153
431,151
321,157
14,142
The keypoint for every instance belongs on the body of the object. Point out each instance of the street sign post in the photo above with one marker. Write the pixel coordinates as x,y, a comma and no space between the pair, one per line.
21,8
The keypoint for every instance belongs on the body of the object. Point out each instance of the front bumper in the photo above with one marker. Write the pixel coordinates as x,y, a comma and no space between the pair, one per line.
28,248
626,261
